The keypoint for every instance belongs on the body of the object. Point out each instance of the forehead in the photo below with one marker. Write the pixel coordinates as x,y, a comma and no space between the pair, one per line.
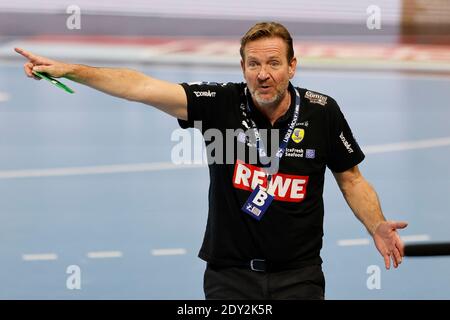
266,47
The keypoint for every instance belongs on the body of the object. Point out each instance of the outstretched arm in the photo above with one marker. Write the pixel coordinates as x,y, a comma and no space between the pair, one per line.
123,83
363,200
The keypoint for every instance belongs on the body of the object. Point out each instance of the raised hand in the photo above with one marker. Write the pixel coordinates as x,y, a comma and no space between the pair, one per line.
53,68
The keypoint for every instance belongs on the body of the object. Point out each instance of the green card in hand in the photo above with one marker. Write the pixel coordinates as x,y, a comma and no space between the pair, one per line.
54,81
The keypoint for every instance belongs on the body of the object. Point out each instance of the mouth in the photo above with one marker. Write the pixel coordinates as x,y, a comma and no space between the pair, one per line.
264,88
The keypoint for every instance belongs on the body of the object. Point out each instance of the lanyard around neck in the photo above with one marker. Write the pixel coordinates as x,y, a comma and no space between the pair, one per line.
287,135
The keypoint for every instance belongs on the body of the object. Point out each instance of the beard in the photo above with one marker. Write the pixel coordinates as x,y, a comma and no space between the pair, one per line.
268,102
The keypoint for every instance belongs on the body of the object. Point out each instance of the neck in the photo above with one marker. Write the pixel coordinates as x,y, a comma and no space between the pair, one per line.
273,113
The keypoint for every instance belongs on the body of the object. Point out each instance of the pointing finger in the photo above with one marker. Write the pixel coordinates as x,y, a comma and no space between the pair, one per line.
24,53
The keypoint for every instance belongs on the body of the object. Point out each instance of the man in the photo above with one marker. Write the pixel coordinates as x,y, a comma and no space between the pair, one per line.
265,222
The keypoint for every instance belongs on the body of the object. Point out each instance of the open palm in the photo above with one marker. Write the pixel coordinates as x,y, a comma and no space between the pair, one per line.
388,242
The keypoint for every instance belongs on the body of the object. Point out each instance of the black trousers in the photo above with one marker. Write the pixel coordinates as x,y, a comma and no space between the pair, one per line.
306,283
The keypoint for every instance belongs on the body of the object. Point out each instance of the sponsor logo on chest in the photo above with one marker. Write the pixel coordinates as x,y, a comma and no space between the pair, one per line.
284,187
298,135
316,98
304,124
294,153
300,153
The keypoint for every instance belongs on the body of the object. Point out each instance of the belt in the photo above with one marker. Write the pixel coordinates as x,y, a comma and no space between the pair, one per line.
259,265
262,265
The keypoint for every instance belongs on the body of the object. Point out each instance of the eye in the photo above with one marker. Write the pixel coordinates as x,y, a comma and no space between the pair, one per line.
275,63
252,64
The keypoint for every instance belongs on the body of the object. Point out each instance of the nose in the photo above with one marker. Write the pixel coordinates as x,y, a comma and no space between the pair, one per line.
263,74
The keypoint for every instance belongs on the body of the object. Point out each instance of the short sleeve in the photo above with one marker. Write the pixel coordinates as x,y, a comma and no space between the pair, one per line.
206,102
344,151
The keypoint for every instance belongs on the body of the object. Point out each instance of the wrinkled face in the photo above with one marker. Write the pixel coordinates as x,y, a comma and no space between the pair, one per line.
267,70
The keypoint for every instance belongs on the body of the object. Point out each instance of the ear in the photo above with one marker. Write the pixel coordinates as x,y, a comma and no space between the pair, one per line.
242,65
292,67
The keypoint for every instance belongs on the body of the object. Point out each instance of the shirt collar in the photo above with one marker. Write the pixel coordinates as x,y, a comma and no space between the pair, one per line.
260,118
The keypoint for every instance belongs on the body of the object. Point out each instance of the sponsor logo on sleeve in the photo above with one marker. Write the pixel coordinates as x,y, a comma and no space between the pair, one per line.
347,145
316,98
209,94
284,187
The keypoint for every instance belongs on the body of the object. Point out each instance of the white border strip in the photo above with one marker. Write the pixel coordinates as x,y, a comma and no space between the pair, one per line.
39,257
407,145
75,171
416,238
104,254
353,242
168,252
367,241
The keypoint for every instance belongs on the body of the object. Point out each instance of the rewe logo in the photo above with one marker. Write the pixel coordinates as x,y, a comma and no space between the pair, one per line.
283,186
205,94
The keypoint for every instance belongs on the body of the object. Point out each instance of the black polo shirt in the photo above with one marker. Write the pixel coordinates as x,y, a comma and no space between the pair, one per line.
291,230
